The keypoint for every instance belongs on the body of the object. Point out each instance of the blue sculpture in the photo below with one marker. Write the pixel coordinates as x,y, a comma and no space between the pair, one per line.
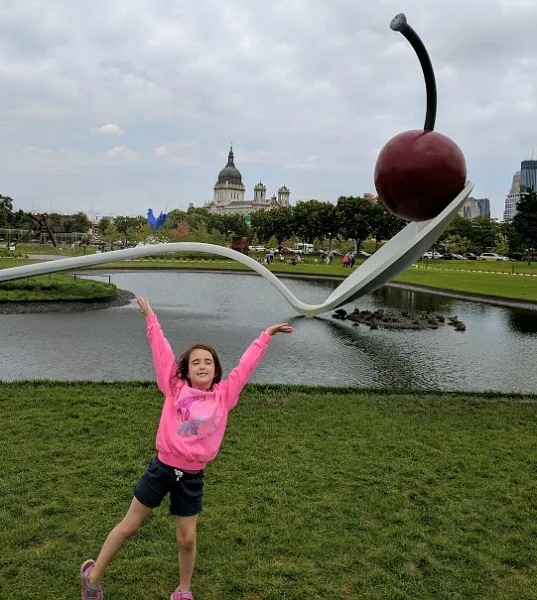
156,222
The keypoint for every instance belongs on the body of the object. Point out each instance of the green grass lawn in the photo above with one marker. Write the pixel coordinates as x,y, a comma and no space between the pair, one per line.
316,494
64,250
7,263
53,287
480,265
505,286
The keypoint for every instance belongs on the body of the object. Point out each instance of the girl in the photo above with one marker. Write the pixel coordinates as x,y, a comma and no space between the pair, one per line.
192,425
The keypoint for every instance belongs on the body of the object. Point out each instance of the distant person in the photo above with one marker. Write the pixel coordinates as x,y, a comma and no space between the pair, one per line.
192,425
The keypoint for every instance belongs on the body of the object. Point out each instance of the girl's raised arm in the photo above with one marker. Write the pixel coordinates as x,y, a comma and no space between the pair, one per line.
239,376
163,356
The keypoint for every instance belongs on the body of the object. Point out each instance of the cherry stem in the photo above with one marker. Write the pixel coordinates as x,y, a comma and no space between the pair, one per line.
399,23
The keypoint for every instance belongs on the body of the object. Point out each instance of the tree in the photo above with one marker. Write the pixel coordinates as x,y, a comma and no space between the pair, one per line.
513,240
78,223
200,233
138,232
525,221
234,225
484,234
103,223
282,223
6,206
273,242
355,217
19,220
56,222
314,219
459,226
457,244
384,224
6,203
175,216
110,233
124,223
261,225
195,216
181,232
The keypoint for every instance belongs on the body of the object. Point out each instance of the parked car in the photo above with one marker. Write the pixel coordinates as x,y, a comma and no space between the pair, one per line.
434,255
452,256
469,256
491,256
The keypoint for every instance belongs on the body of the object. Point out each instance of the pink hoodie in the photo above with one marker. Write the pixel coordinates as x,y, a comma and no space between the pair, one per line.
193,422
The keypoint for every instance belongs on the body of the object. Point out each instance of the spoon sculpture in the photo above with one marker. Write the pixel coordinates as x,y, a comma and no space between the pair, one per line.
407,165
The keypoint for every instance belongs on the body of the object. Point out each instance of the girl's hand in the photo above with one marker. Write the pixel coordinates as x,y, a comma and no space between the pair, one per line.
144,307
280,328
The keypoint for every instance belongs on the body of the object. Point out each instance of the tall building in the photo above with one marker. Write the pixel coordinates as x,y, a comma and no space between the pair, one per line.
469,209
475,207
229,191
515,184
484,207
528,176
512,198
523,181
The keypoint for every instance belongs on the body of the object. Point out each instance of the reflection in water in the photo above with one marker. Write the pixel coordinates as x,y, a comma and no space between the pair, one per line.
386,362
412,301
229,310
523,321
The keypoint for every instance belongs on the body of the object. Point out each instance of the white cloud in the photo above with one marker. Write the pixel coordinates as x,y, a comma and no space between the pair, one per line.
179,153
308,91
108,129
120,153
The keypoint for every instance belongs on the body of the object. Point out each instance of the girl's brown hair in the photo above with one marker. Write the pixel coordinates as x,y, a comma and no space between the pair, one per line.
182,369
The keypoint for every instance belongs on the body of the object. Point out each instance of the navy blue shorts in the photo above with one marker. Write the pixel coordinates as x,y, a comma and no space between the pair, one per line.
186,489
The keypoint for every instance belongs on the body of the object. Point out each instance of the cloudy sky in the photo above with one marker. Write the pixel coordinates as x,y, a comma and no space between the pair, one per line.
113,107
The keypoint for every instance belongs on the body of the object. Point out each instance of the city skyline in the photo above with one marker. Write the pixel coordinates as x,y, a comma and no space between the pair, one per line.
524,180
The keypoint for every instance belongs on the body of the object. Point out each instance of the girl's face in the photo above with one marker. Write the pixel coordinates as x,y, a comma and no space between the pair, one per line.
201,369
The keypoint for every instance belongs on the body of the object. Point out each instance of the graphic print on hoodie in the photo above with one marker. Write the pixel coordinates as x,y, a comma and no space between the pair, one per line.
196,417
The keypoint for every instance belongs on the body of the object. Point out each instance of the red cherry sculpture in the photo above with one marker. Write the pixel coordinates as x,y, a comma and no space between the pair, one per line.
419,172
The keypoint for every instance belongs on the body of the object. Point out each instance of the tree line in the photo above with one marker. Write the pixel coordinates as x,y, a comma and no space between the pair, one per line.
352,221
19,219
353,218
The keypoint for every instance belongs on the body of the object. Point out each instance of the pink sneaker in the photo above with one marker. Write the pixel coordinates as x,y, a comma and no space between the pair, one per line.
177,595
89,593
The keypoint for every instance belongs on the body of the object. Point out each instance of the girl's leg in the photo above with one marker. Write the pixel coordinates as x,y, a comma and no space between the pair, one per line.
130,524
186,538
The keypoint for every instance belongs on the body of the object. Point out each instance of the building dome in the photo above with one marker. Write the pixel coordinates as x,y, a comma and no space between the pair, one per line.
230,173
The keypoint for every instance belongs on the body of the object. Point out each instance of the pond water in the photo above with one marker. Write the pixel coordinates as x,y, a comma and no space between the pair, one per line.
497,351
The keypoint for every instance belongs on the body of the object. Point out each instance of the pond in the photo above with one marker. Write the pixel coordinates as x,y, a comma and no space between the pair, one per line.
229,310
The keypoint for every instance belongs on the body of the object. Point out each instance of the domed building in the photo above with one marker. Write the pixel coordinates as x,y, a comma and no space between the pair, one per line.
229,187
229,193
